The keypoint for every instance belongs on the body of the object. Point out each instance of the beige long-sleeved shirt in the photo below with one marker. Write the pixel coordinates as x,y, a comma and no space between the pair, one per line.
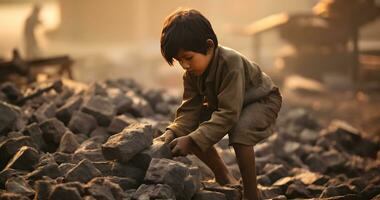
229,82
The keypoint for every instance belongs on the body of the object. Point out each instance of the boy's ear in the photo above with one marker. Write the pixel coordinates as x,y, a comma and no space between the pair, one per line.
210,44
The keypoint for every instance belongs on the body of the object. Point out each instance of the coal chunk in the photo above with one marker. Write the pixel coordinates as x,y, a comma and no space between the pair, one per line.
53,130
19,185
102,188
68,143
159,191
50,170
10,147
83,172
63,192
133,139
157,150
65,112
338,190
35,133
25,159
9,115
11,91
168,172
43,189
209,195
12,196
119,123
81,122
46,111
101,108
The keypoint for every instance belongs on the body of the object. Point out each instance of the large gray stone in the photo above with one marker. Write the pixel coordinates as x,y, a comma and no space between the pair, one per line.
101,108
157,150
83,172
123,146
168,172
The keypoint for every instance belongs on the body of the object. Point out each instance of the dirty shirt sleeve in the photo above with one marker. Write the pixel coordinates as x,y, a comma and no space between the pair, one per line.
188,113
230,102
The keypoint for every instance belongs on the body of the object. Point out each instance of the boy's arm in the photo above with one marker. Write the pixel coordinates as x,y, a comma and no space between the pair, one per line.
230,102
187,115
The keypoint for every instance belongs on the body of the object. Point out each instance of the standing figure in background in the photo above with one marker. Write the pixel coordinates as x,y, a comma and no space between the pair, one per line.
32,49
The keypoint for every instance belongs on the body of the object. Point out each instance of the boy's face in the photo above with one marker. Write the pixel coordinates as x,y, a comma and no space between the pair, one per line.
194,62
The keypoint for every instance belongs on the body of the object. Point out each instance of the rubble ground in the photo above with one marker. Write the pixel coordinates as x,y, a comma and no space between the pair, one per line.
97,142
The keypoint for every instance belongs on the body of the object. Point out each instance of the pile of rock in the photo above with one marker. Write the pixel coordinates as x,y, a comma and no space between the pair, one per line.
98,143
91,144
304,160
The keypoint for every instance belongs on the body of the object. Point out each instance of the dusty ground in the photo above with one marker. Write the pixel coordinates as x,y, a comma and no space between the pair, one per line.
360,108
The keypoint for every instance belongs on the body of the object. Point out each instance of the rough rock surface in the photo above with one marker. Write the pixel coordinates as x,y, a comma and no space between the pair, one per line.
97,143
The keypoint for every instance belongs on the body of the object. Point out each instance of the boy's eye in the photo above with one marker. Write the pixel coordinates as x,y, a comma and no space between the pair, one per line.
189,58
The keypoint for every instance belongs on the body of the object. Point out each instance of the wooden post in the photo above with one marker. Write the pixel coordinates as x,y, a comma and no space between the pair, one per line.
355,54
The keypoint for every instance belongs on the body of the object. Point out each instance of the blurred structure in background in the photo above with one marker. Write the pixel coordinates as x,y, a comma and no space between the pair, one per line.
121,38
325,42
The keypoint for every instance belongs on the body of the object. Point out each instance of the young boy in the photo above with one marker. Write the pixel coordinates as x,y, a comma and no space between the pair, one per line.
224,93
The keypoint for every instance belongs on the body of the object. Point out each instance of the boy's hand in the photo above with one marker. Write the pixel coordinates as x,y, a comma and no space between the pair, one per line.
167,137
181,146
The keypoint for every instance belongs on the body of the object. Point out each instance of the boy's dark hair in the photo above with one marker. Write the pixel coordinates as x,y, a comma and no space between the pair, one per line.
186,29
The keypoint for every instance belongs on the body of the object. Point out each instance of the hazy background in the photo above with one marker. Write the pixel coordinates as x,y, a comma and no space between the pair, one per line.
120,38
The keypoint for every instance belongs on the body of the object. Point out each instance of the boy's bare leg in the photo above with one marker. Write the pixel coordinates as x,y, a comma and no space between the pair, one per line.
212,159
245,157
